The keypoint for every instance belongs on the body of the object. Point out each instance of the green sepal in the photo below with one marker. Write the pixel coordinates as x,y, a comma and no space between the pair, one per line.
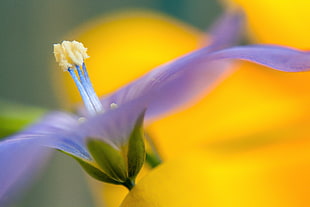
96,173
152,160
109,159
92,170
136,148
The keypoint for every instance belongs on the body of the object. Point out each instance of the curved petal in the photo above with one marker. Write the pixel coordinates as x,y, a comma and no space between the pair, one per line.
56,130
276,57
171,85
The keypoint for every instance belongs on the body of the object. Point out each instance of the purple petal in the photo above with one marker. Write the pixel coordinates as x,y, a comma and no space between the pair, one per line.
20,163
276,57
57,130
114,126
172,85
227,30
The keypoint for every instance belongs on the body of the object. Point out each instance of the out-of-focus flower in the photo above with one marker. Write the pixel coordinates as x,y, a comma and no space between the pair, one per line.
285,23
274,22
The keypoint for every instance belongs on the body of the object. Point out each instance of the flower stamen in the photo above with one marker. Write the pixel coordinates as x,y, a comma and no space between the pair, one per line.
113,106
70,56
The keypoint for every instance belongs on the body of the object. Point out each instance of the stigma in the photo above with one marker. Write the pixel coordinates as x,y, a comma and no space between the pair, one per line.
70,56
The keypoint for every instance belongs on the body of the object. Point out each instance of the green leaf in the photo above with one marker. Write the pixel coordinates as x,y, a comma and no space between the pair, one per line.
14,117
136,148
109,159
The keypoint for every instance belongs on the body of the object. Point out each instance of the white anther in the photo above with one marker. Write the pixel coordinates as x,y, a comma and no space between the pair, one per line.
70,53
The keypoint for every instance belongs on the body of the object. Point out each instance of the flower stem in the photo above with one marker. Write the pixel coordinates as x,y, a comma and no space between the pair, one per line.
129,183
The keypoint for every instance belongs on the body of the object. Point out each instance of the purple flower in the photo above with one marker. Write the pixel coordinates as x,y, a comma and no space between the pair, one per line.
108,125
